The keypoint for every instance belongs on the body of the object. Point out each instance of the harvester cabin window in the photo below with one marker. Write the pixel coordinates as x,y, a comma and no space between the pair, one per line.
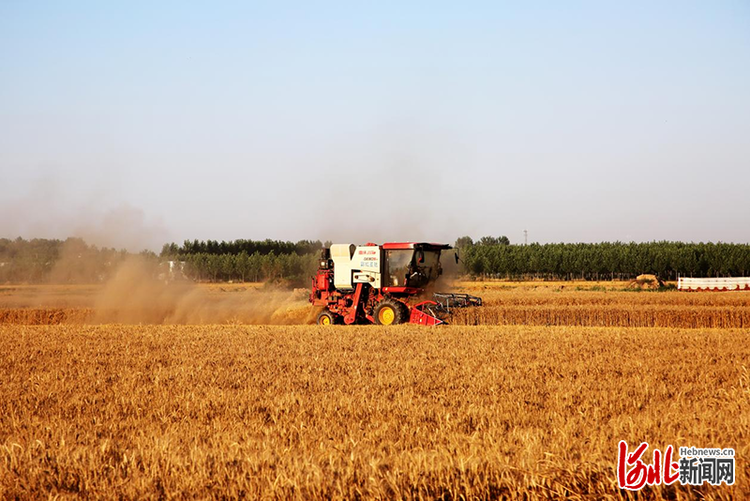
428,263
398,263
426,267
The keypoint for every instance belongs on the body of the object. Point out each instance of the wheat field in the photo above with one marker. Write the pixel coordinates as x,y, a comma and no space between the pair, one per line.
302,412
600,304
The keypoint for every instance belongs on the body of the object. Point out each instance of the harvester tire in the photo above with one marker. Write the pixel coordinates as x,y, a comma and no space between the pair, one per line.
405,313
389,312
325,317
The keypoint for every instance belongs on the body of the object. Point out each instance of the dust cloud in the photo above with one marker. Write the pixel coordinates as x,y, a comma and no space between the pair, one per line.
43,210
136,293
135,296
446,282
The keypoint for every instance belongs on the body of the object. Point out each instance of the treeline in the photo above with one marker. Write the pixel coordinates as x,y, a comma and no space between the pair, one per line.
291,268
603,261
245,260
74,261
41,260
250,247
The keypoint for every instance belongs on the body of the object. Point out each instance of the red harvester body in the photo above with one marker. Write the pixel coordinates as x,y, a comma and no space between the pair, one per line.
382,284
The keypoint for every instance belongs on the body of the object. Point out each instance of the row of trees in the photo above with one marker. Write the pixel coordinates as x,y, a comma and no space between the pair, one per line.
256,267
278,247
60,261
605,260
462,242
74,261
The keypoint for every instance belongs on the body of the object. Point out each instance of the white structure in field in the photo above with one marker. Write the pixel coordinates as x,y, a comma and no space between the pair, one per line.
172,270
713,284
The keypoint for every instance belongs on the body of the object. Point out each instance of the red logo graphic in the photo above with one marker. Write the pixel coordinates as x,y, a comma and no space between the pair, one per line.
641,474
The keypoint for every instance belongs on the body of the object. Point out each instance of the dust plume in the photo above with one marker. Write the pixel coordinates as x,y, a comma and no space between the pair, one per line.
446,282
43,210
122,227
135,296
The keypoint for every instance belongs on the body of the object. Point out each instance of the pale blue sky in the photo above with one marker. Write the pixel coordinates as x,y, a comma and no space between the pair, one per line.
137,123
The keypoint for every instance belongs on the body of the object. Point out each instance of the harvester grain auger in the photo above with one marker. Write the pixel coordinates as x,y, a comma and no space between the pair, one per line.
383,284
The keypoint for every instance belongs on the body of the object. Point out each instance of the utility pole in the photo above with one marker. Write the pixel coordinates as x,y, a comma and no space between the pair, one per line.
525,237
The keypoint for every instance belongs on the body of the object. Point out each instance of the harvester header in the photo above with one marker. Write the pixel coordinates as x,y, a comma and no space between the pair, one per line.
383,284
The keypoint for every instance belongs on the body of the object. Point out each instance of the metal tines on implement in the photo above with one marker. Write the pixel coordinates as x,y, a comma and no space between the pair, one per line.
448,300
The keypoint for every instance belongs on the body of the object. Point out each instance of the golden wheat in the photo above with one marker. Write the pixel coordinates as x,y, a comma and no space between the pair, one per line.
607,316
45,316
360,412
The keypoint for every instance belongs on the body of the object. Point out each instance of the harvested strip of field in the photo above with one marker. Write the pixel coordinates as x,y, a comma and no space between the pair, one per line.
207,314
48,296
572,298
591,316
331,413
45,316
707,317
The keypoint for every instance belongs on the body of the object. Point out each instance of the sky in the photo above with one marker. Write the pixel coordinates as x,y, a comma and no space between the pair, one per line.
133,124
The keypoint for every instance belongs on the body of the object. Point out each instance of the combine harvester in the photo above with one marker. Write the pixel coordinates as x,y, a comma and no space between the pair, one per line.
713,284
383,284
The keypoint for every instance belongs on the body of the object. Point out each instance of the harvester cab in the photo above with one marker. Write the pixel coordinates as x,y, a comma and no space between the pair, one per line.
383,284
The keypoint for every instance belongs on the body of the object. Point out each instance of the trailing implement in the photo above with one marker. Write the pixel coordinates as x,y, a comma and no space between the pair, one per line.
383,284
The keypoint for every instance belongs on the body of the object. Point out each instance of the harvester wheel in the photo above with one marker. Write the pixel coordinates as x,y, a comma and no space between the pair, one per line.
389,312
325,317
